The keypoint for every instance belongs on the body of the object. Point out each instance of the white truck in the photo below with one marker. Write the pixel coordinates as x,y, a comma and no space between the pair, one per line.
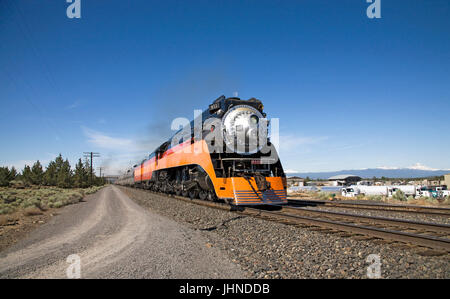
374,190
351,191
354,190
408,190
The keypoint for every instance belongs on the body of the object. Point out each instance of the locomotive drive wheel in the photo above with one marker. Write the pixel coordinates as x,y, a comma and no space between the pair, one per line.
203,194
211,196
178,191
193,193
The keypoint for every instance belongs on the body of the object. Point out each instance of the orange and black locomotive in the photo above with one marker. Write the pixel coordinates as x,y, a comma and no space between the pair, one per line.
223,154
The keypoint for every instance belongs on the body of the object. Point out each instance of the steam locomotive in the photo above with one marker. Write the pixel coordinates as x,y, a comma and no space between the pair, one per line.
224,154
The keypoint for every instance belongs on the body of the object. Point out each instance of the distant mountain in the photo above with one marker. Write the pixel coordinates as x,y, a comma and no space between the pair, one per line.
369,173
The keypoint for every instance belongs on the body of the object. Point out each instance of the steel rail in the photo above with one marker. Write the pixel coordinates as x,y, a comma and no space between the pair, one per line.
376,207
409,224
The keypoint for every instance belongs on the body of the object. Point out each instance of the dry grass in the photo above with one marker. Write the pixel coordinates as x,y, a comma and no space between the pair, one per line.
39,198
4,220
32,211
7,219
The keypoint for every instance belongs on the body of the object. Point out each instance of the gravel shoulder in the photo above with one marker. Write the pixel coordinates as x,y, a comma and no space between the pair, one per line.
115,238
266,249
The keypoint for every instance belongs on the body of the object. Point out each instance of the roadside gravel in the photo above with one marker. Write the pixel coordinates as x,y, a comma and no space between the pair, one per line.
271,250
113,237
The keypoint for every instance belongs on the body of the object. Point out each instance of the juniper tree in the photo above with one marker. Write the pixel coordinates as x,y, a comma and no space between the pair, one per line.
26,175
50,174
37,174
80,177
64,174
4,176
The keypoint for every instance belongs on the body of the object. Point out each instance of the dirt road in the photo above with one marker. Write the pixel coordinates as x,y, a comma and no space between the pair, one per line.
115,238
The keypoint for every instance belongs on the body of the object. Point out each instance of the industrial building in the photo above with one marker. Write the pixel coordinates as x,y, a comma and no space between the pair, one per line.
344,180
447,180
295,181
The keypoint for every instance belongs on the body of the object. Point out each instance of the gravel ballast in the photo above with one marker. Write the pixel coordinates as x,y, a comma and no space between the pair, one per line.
387,214
266,249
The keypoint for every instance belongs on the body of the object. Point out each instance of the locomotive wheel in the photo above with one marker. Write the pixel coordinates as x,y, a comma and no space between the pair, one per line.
193,193
178,191
184,193
211,196
203,194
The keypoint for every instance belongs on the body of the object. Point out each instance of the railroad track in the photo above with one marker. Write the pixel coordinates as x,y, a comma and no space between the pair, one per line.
445,212
423,234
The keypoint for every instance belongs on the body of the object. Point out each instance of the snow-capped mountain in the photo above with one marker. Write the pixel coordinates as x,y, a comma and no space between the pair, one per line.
415,171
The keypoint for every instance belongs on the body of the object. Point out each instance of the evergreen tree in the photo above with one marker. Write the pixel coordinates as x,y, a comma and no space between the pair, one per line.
4,176
59,161
81,175
27,175
64,175
58,173
12,174
52,171
37,174
50,174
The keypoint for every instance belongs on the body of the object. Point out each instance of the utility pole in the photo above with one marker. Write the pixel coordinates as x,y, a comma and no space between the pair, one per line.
92,155
100,169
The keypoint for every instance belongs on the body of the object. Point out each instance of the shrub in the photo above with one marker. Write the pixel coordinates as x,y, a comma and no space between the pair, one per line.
447,200
32,211
6,209
360,196
94,189
18,184
58,204
31,202
399,195
321,195
74,197
431,200
9,198
410,199
40,198
375,197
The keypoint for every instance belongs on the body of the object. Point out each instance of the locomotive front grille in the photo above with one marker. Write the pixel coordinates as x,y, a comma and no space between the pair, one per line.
268,197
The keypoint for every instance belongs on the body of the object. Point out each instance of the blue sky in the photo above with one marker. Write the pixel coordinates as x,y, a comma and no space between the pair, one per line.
350,92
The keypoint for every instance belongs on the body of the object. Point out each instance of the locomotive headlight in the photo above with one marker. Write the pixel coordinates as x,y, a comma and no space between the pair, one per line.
241,129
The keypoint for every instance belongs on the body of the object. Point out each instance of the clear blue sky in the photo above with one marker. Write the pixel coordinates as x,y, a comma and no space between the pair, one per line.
350,92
